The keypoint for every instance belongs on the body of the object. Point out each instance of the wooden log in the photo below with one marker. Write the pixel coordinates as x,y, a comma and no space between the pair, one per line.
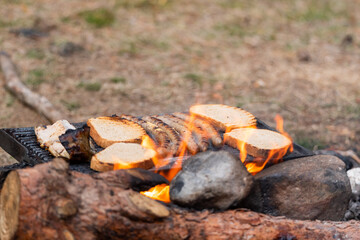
50,202
37,102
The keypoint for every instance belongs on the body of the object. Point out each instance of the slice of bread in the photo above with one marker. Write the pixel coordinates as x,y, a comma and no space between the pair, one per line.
123,156
258,142
224,117
108,130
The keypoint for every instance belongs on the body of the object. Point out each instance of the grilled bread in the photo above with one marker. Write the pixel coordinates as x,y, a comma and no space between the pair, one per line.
108,130
224,117
123,156
258,142
48,137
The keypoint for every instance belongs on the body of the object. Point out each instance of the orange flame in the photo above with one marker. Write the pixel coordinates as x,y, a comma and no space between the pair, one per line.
123,165
280,127
159,192
148,143
159,161
177,166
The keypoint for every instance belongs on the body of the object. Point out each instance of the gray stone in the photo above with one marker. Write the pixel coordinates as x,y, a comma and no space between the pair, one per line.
314,187
214,180
354,177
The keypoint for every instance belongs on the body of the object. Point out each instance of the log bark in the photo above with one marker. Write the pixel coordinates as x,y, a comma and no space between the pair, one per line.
37,102
50,202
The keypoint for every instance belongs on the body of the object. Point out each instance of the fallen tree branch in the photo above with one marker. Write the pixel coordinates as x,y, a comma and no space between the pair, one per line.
50,202
37,102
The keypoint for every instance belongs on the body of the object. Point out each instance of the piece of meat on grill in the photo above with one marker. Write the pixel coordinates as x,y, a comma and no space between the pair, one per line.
171,133
205,126
163,142
185,133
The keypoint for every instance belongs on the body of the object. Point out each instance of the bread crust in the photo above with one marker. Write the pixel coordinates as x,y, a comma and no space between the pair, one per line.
100,166
103,142
257,151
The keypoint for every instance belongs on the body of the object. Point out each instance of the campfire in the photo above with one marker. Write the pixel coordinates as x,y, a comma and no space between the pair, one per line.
275,154
179,175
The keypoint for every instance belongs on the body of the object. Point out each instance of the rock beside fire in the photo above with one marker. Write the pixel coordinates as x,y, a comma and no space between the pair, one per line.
354,177
311,188
214,180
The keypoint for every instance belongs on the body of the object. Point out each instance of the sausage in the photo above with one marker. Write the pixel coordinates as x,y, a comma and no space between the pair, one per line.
186,134
171,133
205,126
199,136
159,135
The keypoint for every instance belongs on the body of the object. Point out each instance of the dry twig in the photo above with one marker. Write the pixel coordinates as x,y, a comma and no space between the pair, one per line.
13,84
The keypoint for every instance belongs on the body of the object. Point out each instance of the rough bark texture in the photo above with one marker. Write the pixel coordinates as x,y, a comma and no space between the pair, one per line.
13,83
49,202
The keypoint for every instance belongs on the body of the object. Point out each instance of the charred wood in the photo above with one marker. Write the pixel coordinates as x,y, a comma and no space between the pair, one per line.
76,142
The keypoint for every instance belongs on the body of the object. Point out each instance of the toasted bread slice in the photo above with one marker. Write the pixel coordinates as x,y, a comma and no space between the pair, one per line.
224,117
123,156
48,137
258,142
108,130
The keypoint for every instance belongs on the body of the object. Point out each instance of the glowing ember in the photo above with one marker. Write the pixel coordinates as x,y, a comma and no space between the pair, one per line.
159,192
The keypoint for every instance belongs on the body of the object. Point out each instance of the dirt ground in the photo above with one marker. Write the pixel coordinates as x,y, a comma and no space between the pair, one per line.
299,59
